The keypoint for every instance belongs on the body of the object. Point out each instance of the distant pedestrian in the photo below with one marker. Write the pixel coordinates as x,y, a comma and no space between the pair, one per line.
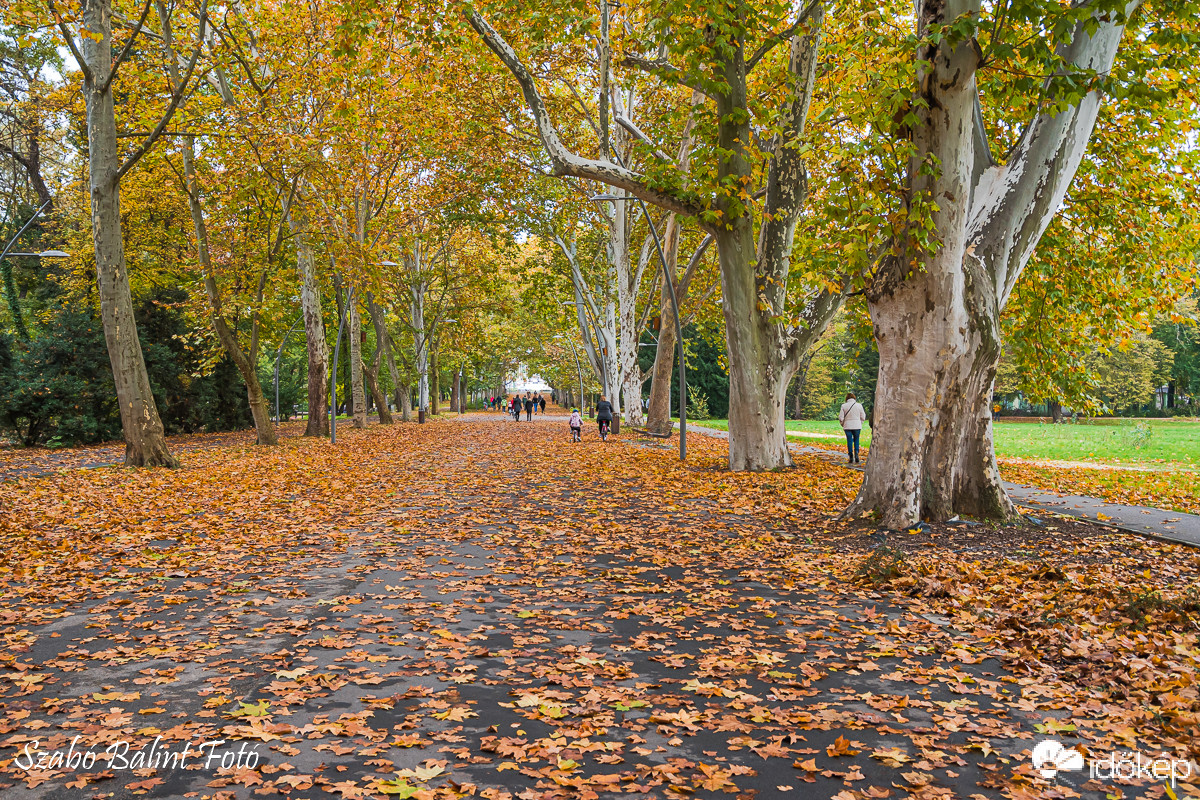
542,400
604,416
852,416
515,408
576,425
528,409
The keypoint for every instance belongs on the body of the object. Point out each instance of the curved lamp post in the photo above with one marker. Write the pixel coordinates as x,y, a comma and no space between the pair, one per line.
336,350
18,322
603,350
278,357
578,366
669,278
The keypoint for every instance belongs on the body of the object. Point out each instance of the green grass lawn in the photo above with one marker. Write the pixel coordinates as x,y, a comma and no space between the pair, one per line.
1168,443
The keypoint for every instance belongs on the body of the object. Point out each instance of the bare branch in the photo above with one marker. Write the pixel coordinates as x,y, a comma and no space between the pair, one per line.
70,40
637,132
116,64
565,162
773,40
664,70
176,98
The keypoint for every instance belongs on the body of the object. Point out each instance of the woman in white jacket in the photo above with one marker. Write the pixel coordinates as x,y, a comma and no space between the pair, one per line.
852,416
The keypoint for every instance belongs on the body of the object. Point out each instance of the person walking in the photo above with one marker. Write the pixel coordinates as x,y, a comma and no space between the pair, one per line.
542,402
852,416
528,408
604,416
514,408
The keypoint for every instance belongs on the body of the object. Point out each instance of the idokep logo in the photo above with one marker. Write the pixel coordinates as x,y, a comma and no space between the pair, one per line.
1051,758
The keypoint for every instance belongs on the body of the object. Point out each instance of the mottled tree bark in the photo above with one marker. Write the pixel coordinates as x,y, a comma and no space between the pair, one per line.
145,442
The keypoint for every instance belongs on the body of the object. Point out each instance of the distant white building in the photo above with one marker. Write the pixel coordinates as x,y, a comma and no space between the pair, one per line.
523,382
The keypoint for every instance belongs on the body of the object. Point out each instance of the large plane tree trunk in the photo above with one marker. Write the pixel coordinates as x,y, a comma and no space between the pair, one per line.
145,441
759,367
937,327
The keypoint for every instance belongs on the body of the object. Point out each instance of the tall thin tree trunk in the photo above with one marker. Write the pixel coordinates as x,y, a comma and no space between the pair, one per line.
145,441
245,362
314,328
661,395
404,397
383,350
454,394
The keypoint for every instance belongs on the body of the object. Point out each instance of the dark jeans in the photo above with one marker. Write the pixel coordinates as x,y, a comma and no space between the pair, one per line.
852,443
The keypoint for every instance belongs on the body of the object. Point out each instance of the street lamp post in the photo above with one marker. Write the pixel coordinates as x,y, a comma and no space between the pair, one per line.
670,279
578,367
603,350
336,350
278,357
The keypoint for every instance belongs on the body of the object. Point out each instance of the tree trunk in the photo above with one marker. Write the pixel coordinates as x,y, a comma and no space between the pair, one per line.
314,329
245,363
1055,411
404,397
358,396
759,373
937,332
145,442
932,453
456,390
658,419
372,378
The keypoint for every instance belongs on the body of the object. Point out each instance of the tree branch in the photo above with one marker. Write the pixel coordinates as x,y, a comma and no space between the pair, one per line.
563,161
176,99
773,40
637,132
70,40
116,64
664,70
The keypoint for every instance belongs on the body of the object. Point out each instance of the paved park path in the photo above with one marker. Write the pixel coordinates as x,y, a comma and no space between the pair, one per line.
492,612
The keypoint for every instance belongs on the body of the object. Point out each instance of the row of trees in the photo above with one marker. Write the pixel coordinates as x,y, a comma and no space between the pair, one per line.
374,167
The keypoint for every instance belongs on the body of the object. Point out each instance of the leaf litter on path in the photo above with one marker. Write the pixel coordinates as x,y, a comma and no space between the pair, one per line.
486,609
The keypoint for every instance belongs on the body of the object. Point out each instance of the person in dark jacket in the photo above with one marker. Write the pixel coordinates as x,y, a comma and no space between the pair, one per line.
604,416
528,409
542,402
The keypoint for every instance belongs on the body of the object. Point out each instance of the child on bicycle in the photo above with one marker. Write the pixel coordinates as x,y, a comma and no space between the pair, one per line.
576,425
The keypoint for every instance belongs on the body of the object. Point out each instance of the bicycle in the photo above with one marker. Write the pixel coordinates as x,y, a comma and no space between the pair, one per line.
604,426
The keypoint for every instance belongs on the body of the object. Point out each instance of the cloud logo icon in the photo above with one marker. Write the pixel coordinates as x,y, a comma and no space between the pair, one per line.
1051,758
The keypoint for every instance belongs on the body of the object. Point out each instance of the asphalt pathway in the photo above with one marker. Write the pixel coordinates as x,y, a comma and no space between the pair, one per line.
524,639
